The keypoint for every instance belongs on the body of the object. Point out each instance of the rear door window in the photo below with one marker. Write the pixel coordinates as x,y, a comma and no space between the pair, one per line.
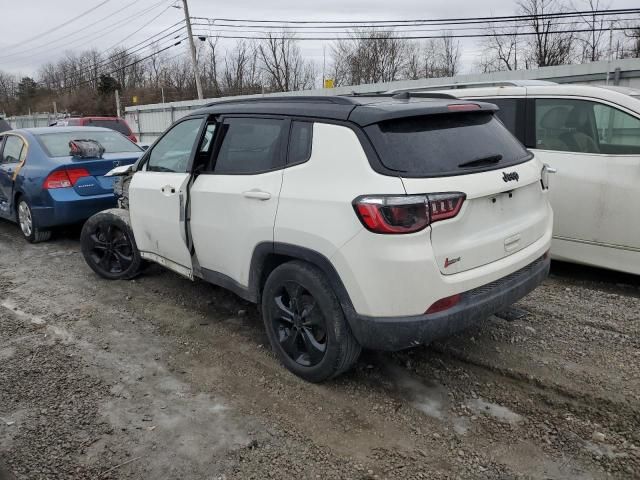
444,145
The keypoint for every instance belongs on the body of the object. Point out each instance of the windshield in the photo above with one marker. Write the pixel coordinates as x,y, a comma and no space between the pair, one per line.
448,144
57,144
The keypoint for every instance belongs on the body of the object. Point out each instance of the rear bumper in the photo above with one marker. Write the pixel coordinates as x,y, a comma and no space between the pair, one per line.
396,333
66,207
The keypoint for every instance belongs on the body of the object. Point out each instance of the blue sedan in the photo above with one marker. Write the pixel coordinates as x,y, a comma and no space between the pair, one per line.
43,184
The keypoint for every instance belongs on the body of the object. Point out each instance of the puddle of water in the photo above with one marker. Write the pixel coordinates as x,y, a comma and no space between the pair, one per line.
503,414
430,398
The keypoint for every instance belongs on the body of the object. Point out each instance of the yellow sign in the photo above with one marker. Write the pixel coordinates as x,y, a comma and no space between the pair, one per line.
329,83
134,99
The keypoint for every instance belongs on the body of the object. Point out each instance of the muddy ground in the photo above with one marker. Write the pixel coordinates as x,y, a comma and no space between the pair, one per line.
164,378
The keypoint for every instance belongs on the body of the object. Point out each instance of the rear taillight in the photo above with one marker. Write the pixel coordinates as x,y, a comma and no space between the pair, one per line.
406,213
64,178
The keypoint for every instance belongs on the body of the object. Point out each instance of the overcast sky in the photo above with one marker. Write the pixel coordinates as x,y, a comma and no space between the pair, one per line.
25,45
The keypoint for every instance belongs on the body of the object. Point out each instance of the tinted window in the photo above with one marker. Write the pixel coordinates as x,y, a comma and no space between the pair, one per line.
205,143
250,145
507,113
117,125
300,140
57,144
13,148
437,145
173,150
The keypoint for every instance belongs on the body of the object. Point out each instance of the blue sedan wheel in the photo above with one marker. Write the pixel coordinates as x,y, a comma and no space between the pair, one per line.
27,225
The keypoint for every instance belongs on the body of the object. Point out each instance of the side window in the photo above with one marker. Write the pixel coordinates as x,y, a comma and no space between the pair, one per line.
250,145
300,141
172,152
566,125
12,152
618,132
508,113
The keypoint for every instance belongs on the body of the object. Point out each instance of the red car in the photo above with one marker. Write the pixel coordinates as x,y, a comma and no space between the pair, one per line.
114,123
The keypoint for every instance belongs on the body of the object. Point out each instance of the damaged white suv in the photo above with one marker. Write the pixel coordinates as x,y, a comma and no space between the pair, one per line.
365,221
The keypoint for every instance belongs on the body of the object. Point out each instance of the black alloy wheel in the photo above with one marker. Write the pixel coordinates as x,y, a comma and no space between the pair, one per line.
110,248
305,323
299,324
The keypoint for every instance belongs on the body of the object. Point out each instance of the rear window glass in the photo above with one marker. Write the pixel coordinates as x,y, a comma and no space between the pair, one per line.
438,145
117,125
57,144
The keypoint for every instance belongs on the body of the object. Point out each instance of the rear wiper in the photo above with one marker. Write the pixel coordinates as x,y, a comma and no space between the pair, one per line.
478,162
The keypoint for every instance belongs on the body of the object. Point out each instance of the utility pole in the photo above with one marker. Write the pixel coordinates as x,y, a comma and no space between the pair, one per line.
118,103
192,45
610,52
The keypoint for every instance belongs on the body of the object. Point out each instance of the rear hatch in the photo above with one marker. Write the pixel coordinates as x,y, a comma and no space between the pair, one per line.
505,208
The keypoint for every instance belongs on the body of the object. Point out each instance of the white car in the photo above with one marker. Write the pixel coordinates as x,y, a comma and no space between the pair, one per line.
353,222
591,136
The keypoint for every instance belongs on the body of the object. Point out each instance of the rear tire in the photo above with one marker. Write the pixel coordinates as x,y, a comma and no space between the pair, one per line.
305,323
28,225
109,247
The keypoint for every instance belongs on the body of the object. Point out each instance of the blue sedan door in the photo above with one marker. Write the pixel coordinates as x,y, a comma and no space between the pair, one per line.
12,151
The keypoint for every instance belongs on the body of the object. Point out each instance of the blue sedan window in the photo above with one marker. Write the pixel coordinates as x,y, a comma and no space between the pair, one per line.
57,144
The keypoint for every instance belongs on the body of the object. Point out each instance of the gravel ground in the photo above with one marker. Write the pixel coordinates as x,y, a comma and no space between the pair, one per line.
164,378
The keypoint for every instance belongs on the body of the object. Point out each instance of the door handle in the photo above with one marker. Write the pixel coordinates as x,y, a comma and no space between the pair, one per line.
168,190
550,169
257,194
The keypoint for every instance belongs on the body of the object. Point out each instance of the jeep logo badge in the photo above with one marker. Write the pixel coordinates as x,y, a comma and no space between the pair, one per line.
507,177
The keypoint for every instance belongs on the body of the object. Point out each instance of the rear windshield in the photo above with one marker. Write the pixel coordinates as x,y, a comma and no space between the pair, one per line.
57,144
448,144
117,125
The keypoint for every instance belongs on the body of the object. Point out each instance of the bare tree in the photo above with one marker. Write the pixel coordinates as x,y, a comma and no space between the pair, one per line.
449,55
547,45
283,66
591,42
240,75
500,50
371,56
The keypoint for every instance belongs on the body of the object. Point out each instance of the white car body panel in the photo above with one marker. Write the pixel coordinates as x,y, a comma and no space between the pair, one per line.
156,205
230,216
316,200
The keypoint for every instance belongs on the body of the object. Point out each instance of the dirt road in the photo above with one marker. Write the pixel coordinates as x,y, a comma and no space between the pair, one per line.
164,378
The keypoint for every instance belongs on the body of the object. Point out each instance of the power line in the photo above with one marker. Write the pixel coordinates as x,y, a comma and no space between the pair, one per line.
116,25
416,37
450,21
53,29
395,31
130,64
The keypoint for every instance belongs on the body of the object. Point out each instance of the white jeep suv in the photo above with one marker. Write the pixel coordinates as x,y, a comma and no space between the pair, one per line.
364,221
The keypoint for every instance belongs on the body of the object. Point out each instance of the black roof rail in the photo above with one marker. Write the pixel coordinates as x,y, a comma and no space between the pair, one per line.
287,99
408,95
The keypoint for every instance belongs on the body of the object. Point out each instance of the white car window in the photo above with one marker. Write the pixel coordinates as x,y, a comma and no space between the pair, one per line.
618,131
584,126
172,152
